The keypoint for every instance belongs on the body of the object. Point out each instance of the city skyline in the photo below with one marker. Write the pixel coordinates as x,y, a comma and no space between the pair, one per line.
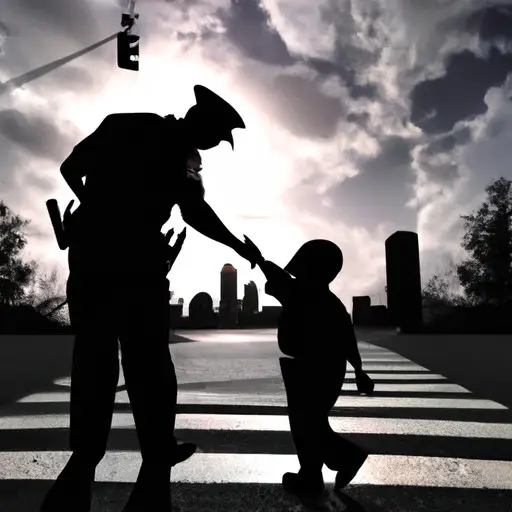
217,300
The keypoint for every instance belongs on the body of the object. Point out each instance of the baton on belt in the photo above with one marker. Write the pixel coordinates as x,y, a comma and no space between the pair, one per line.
56,219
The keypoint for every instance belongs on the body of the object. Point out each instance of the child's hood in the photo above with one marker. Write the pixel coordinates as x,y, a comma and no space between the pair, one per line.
317,260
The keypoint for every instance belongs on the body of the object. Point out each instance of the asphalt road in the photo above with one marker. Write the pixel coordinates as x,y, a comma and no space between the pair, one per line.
435,444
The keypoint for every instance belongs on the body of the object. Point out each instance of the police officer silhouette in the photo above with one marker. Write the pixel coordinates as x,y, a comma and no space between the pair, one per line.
135,170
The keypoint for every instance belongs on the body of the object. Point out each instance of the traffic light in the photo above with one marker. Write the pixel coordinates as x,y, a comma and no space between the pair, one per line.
128,51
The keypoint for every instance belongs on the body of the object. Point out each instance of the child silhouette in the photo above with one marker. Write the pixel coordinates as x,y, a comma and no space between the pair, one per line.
316,332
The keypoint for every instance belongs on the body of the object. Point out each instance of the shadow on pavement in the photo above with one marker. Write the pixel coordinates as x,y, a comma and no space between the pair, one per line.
427,413
270,442
177,338
31,364
26,496
480,363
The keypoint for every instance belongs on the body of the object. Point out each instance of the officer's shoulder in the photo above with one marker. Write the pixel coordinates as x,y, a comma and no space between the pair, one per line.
338,303
194,180
191,184
142,118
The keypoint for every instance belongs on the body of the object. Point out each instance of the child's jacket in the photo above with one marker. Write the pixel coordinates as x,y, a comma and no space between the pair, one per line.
314,324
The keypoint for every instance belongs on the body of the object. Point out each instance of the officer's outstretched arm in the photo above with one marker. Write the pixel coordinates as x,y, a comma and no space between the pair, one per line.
198,214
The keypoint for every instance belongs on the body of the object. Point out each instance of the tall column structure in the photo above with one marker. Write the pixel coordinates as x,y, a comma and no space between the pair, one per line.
361,310
228,310
250,304
404,281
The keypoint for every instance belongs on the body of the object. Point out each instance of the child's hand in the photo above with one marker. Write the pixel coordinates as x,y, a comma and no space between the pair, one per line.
258,258
364,383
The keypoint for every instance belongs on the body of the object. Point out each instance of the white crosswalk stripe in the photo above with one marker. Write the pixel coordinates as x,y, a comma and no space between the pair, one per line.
255,447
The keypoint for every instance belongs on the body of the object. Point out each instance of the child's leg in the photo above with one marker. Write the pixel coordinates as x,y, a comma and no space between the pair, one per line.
340,454
304,424
337,450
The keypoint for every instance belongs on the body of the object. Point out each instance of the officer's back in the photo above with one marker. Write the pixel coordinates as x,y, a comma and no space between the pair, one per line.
137,176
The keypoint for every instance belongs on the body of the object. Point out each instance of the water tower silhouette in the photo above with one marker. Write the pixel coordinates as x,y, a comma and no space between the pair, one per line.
200,310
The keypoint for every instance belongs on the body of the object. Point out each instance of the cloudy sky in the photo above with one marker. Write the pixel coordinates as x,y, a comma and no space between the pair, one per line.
363,117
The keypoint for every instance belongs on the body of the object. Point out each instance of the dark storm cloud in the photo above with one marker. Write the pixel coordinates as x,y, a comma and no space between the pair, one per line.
35,134
49,35
68,75
359,118
11,158
449,142
72,77
248,26
381,189
4,32
495,127
299,104
350,61
491,23
443,173
394,152
71,17
437,105
347,75
377,194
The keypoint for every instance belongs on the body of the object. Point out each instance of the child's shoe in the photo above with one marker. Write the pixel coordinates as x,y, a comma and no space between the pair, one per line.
304,486
346,474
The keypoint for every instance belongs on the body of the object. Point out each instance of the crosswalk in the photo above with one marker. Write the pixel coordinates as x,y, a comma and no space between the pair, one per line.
420,429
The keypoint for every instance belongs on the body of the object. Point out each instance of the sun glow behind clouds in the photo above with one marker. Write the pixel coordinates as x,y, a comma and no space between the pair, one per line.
244,187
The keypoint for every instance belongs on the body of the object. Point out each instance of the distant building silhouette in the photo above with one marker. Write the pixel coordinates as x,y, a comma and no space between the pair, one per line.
228,296
379,316
361,310
404,280
181,300
176,312
250,305
200,310
270,315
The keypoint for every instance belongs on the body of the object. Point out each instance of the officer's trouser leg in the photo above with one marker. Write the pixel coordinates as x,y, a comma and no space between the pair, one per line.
149,373
95,371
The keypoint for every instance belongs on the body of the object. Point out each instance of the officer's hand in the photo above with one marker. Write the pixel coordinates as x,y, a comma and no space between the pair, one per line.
175,249
169,235
66,217
252,253
180,240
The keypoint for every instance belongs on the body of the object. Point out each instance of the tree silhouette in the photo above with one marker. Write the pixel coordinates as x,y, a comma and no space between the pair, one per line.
443,289
15,274
47,297
487,274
